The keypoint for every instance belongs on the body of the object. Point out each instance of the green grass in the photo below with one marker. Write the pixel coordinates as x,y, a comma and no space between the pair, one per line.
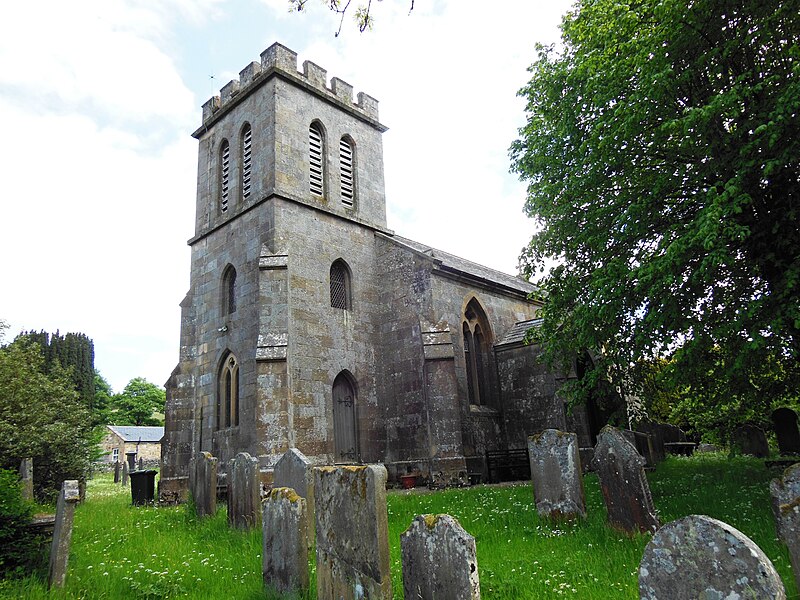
120,551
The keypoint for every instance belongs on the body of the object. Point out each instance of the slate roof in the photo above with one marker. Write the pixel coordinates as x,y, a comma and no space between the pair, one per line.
130,433
516,334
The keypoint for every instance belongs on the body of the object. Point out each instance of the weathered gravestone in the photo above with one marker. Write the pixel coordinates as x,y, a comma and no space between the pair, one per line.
203,483
556,473
141,464
703,448
785,494
749,439
26,475
293,470
439,560
62,533
352,538
244,492
620,469
700,557
643,444
660,434
285,541
124,473
784,421
117,472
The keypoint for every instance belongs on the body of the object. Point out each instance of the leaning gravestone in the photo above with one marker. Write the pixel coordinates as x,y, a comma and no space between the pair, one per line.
352,532
749,439
285,541
26,475
124,473
293,470
620,469
556,473
785,494
784,421
244,492
700,557
439,560
203,483
62,533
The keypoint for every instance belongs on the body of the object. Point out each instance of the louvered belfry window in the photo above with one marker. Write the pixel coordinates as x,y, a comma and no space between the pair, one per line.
340,286
224,175
316,156
247,160
346,162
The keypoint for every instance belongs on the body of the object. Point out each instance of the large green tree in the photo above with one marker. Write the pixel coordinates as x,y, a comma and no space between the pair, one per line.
140,403
662,155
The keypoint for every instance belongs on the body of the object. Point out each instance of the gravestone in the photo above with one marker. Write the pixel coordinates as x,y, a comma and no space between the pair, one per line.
703,448
586,454
124,473
26,475
661,433
293,470
643,444
439,560
352,532
141,464
131,456
62,533
244,492
784,421
749,439
785,494
203,483
116,472
626,492
700,557
285,541
556,473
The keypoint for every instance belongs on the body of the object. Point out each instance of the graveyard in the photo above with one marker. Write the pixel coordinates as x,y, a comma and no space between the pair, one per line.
119,550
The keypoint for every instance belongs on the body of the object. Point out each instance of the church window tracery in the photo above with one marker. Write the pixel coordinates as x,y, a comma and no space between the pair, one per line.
477,354
228,393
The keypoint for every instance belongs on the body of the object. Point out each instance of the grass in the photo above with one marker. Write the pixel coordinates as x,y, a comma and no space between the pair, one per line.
120,551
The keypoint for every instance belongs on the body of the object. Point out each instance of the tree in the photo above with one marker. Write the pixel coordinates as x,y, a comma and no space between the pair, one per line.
138,402
103,400
362,14
662,155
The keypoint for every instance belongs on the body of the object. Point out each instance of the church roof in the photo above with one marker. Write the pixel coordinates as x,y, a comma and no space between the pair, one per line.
516,334
131,433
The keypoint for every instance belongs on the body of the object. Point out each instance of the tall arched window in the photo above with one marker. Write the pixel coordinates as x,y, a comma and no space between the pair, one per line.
229,290
347,170
228,393
340,285
316,155
246,159
224,174
477,354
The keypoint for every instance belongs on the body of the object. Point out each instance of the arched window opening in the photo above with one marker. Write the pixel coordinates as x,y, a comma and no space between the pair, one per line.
229,290
316,151
344,419
468,341
247,159
347,167
228,393
224,175
340,285
477,354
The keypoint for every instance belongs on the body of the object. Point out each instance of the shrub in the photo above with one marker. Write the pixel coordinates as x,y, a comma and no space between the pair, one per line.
19,547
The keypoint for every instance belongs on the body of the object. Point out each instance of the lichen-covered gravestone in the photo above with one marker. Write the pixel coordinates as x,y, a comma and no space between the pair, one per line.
556,473
244,492
785,494
626,492
352,533
62,533
700,557
203,483
293,470
439,560
749,439
285,541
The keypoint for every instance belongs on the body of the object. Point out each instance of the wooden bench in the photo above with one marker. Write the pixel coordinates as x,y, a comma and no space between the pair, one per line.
508,465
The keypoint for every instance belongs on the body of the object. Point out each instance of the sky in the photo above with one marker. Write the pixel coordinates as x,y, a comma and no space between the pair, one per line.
98,168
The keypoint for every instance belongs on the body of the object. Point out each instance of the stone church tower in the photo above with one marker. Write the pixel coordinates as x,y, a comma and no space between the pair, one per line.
309,324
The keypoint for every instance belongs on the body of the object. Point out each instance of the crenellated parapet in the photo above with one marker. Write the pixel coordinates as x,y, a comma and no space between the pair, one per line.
278,59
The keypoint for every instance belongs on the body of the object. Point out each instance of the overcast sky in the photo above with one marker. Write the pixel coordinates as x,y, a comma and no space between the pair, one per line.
98,170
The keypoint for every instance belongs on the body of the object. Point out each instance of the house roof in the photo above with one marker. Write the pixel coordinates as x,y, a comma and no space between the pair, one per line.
131,433
516,334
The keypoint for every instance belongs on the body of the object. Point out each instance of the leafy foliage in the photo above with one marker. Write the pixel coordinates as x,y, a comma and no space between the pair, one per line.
662,152
362,13
19,548
137,403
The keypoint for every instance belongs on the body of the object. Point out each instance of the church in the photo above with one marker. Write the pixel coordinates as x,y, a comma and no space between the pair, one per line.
310,324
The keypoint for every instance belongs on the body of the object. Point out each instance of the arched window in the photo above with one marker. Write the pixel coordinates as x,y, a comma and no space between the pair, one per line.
229,290
247,159
316,155
477,354
345,436
347,168
340,285
224,174
228,393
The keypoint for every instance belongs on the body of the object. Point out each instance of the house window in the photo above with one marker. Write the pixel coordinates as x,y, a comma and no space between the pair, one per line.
224,174
247,159
340,285
229,290
347,166
477,354
115,455
228,393
316,150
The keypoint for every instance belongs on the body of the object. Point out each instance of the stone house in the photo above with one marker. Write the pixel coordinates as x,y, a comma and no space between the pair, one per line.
310,324
120,439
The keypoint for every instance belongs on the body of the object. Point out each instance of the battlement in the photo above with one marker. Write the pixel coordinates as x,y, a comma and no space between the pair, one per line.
279,58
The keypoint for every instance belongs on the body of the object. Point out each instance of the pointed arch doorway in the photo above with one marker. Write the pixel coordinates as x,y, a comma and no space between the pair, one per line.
345,435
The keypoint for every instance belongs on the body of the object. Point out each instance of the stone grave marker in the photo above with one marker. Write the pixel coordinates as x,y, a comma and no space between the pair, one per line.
352,532
117,472
244,492
702,448
285,541
203,483
62,533
784,421
626,492
26,475
556,473
749,439
439,560
785,494
124,473
700,557
293,470
141,464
